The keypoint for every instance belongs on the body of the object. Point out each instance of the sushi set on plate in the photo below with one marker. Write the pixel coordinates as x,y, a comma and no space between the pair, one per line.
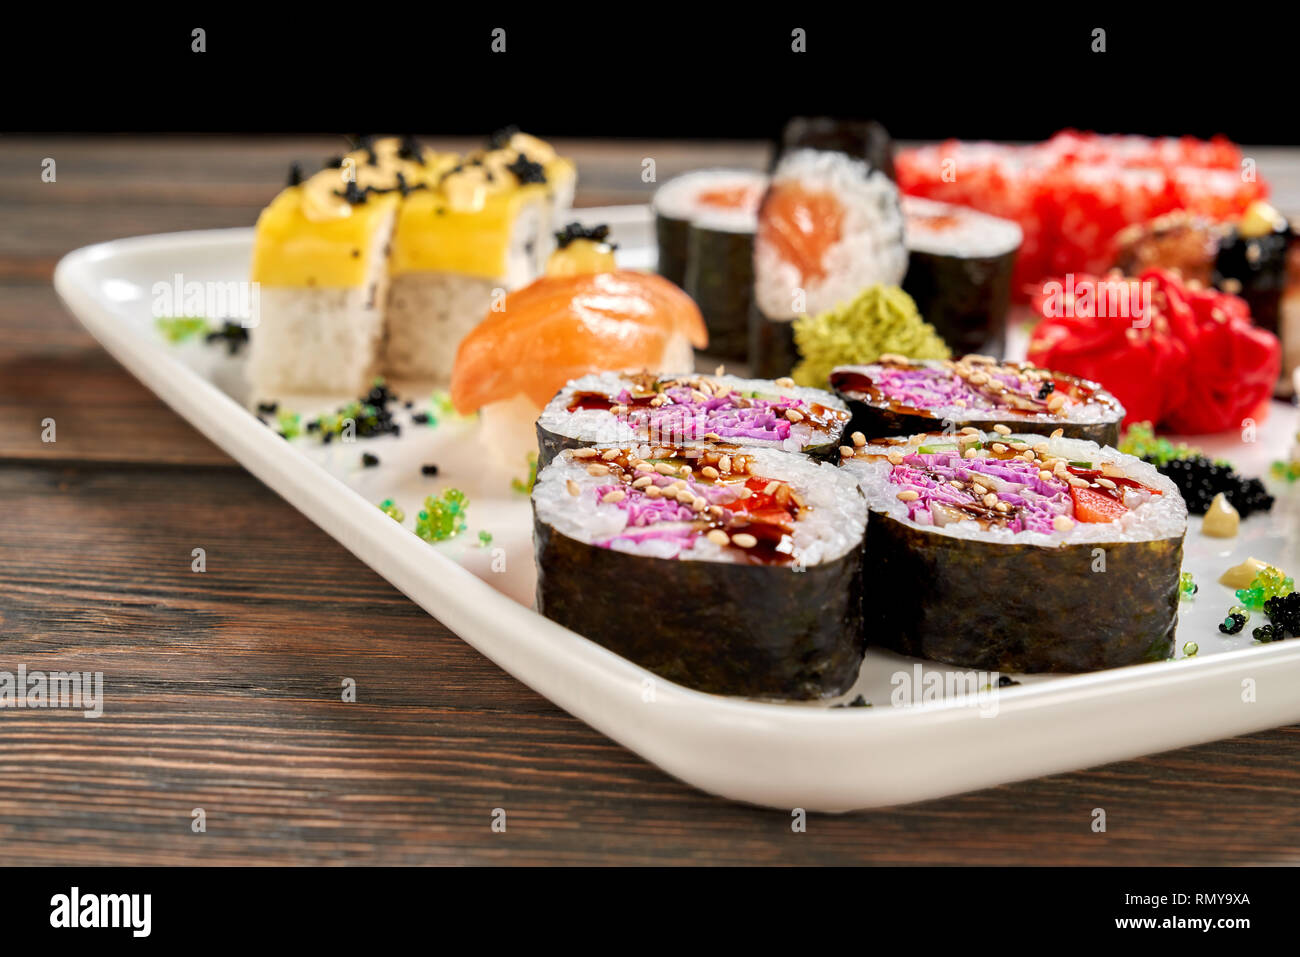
832,486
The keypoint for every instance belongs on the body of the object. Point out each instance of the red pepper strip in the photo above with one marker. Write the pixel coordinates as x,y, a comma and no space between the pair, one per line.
1093,506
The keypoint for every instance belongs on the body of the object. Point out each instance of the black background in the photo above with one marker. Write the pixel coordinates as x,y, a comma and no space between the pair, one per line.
654,70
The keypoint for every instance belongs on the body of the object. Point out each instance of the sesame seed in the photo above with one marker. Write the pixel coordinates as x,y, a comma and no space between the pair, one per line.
572,486
794,415
1078,482
970,453
720,370
999,447
1057,433
610,455
1002,507
685,496
663,468
642,482
970,430
653,491
1001,429
712,436
1062,524
846,452
699,504
907,495
684,470
709,472
613,496
597,469
785,382
1105,483
990,500
585,453
771,487
859,439
1044,475
724,464
744,540
717,536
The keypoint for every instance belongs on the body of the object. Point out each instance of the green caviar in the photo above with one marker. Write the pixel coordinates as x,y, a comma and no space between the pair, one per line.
442,518
485,538
1140,440
179,328
290,424
1190,649
392,511
1286,471
1187,586
882,319
525,486
1268,583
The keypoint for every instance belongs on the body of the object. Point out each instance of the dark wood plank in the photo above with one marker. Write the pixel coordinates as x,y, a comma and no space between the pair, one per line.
222,692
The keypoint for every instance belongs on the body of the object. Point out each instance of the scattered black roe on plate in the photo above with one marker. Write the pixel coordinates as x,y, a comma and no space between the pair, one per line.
1006,681
574,231
233,334
1200,479
420,418
858,702
369,460
1268,633
268,408
429,469
1233,624
526,171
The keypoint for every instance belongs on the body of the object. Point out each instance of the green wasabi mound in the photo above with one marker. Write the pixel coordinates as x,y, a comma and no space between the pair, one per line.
882,319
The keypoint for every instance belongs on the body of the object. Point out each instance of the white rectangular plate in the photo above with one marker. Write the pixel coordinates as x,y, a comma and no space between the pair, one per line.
784,755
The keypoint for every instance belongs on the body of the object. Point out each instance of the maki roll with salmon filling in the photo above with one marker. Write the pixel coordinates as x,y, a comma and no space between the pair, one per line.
898,396
733,571
710,409
704,224
959,265
829,227
1036,554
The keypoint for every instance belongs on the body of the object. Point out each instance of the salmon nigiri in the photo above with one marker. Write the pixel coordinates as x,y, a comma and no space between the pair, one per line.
583,316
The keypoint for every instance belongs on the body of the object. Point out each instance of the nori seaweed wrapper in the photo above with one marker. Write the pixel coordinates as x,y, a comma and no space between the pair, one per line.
671,236
772,352
965,299
862,139
720,278
1254,268
876,417
755,630
994,606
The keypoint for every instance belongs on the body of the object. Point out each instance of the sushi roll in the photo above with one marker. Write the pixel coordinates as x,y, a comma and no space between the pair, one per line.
320,261
829,226
482,227
862,139
584,316
733,571
898,396
727,197
1018,553
959,265
1252,263
1177,240
719,409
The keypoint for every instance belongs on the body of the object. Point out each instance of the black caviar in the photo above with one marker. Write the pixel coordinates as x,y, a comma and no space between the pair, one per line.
1284,613
233,334
526,171
369,460
1233,624
574,231
1199,479
429,469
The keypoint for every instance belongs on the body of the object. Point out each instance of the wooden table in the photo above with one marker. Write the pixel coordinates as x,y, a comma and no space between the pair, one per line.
223,688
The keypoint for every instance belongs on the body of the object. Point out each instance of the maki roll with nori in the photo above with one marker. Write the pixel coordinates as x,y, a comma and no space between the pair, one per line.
734,571
959,265
729,196
1018,553
716,409
1252,261
898,396
829,226
863,139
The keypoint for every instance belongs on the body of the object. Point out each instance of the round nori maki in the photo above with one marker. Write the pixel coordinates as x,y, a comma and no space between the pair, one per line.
898,396
959,266
720,278
829,226
1252,261
1076,572
752,589
718,410
862,139
727,197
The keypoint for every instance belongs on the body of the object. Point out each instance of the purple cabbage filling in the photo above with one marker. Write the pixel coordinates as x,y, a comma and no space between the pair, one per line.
1034,501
